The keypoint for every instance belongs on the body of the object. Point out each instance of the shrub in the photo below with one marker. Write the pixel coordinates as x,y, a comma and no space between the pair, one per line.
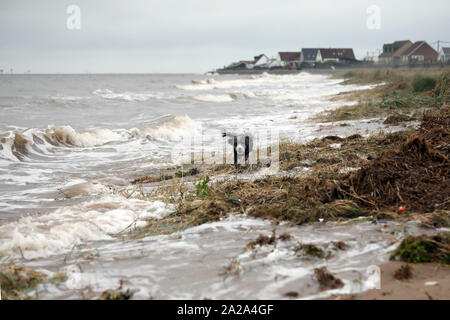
349,74
423,83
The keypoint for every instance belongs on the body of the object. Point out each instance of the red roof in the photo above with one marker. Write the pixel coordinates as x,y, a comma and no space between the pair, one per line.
290,56
414,47
337,54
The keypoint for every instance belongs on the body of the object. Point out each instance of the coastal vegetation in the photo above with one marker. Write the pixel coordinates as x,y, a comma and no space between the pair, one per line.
397,92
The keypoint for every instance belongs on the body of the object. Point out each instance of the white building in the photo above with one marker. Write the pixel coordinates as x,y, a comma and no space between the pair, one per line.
444,55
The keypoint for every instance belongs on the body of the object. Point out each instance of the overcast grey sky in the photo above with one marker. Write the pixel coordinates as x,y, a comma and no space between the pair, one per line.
199,35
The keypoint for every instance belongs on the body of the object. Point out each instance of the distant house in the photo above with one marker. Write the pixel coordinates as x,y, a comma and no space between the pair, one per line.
371,59
336,55
420,52
444,55
249,64
272,63
392,52
260,60
290,59
309,55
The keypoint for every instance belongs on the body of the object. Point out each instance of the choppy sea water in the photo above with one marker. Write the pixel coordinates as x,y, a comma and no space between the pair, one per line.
67,142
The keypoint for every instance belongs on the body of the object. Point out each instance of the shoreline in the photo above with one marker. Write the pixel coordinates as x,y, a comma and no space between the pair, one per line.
329,70
319,196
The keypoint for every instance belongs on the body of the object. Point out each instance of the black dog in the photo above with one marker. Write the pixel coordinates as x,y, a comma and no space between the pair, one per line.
242,145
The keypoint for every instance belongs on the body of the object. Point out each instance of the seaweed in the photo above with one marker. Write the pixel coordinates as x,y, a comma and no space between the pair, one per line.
403,273
327,281
310,250
422,249
117,294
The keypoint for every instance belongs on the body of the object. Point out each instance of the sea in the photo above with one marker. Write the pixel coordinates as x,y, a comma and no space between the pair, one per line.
70,143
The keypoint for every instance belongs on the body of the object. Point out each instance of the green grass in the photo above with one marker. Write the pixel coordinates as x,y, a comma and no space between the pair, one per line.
423,83
201,187
402,92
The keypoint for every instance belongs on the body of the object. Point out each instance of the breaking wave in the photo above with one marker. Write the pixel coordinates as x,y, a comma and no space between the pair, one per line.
18,145
125,96
224,97
169,128
252,81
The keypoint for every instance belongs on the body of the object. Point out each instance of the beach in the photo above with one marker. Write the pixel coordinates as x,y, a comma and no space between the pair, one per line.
96,202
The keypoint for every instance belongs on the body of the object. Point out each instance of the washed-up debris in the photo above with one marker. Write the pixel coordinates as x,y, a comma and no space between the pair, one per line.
424,249
166,176
58,277
262,240
403,273
291,294
436,219
341,245
117,294
431,283
234,268
310,250
327,281
285,237
397,118
414,176
16,282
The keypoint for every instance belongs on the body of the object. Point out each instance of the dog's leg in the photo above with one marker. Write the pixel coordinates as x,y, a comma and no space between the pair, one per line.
235,151
247,149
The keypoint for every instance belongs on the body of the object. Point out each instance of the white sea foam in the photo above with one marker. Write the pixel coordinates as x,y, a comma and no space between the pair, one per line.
256,81
43,235
67,135
170,128
213,98
125,96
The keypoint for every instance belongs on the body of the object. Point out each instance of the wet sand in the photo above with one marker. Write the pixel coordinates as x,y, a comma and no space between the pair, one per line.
429,281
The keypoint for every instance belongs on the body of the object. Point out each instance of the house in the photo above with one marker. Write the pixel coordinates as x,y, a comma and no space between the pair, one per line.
420,52
260,60
309,55
444,55
336,55
271,63
371,59
249,64
290,59
235,65
392,52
